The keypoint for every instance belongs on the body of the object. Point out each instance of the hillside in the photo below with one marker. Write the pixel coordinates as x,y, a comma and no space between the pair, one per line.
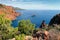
16,8
9,12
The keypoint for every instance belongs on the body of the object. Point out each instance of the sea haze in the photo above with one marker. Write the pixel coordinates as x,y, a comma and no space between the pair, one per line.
36,16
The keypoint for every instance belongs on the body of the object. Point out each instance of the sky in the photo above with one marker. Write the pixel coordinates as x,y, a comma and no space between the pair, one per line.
33,4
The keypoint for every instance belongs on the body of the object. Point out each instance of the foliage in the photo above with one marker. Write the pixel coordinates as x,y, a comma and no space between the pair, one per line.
6,30
26,27
9,32
20,37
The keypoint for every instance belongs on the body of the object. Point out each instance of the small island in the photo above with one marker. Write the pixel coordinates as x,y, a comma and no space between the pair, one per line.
33,15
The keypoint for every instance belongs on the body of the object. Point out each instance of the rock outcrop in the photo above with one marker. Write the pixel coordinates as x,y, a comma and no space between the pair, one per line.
55,20
52,34
9,12
41,35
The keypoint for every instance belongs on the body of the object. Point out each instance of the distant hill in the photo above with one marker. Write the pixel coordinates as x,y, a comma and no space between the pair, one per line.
16,8
9,12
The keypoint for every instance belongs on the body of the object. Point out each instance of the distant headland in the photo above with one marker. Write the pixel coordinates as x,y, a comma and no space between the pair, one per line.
9,12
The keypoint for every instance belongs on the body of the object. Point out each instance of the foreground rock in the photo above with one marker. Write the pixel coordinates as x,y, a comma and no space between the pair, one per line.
41,35
52,34
12,39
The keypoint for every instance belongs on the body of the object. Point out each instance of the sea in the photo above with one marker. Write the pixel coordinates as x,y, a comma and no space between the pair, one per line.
35,16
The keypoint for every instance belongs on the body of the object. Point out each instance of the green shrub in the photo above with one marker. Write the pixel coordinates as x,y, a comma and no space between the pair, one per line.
6,30
20,37
26,27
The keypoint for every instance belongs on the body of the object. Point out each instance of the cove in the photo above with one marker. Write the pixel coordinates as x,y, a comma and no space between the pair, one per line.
35,16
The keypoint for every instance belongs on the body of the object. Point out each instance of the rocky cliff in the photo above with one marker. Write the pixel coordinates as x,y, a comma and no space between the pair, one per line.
9,12
55,20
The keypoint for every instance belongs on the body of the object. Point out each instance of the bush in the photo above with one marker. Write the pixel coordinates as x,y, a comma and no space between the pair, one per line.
6,30
26,27
20,37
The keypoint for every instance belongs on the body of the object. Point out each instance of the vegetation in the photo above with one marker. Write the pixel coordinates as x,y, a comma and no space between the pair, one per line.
26,27
9,32
5,28
20,37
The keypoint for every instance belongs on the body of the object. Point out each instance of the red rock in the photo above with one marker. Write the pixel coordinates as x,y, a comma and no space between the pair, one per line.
9,12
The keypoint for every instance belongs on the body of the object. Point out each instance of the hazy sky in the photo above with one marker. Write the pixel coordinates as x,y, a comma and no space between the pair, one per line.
34,4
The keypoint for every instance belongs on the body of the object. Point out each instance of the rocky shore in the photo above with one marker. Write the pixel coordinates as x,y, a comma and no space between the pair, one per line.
9,12
47,32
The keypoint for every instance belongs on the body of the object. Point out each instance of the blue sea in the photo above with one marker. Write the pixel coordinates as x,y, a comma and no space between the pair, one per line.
36,16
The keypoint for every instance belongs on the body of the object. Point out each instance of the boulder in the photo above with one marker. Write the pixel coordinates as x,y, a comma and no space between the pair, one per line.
54,34
42,35
28,38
